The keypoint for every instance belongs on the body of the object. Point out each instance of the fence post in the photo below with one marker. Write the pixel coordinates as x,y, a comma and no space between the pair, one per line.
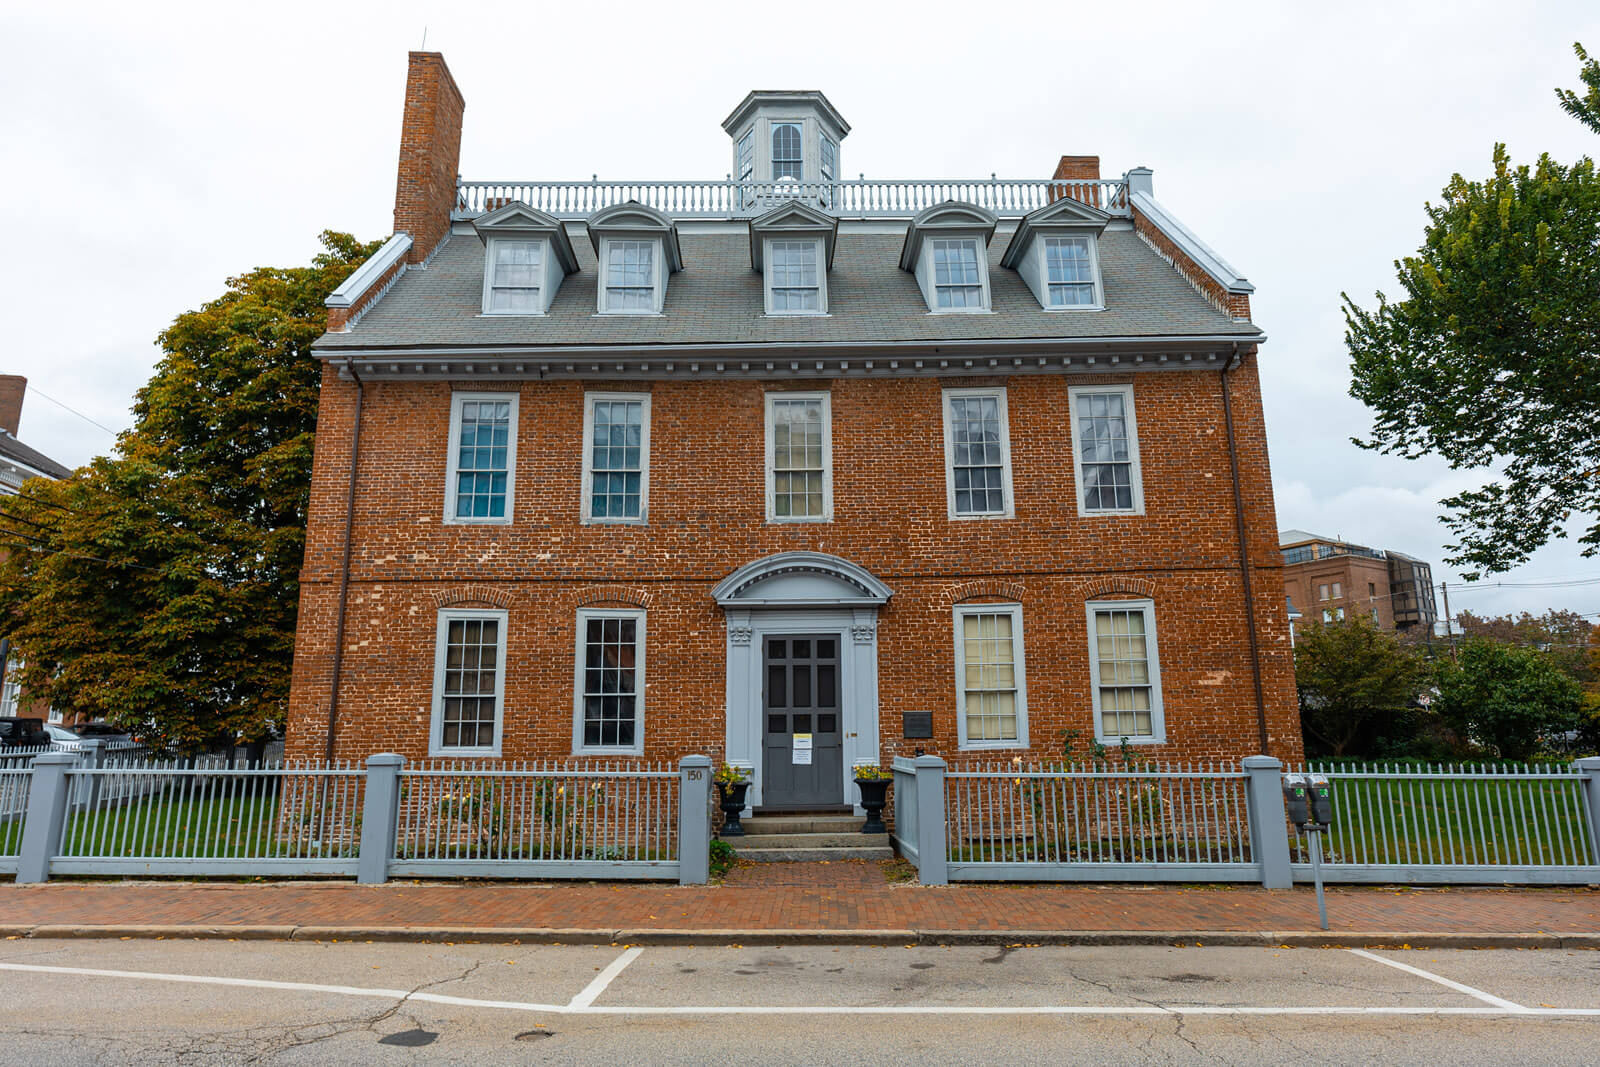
932,859
694,820
1269,827
1589,780
91,756
380,815
47,814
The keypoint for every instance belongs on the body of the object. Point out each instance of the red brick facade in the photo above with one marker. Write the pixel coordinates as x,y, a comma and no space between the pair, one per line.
430,150
707,518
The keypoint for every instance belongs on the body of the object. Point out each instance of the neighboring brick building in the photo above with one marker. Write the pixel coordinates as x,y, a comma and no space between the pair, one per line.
18,463
811,470
1328,579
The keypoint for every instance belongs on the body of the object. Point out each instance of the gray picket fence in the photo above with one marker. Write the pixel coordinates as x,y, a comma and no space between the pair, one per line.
1523,825
86,813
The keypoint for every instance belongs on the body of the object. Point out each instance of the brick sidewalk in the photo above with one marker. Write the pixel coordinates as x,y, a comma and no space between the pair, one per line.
777,897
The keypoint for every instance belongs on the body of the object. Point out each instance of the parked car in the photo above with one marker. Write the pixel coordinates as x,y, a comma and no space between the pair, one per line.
18,732
103,730
62,738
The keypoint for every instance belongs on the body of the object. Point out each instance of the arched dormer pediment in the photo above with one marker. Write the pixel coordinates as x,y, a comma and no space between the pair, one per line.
801,580
633,219
518,221
953,218
794,219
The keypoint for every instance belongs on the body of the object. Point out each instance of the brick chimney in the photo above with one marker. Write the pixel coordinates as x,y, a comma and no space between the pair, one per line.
430,150
1077,168
12,388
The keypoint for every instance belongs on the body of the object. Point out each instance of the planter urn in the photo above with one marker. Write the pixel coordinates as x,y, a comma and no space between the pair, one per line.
732,804
874,795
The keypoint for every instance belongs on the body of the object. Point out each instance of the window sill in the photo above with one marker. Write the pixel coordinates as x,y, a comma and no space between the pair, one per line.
798,315
477,522
629,315
961,311
777,521
639,751
989,516
442,752
1075,307
588,520
1108,514
512,315
1113,742
991,746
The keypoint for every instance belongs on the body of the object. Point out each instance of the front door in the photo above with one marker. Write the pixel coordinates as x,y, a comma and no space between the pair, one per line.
802,760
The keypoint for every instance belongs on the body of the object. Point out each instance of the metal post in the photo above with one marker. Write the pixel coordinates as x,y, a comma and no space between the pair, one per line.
47,815
1589,780
380,815
933,866
91,756
1316,874
694,820
1269,828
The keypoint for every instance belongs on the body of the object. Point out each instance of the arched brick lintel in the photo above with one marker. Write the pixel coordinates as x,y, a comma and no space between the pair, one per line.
472,594
591,595
984,587
1098,588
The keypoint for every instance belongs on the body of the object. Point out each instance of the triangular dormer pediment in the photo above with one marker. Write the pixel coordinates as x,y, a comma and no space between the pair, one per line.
1063,216
953,218
518,220
795,219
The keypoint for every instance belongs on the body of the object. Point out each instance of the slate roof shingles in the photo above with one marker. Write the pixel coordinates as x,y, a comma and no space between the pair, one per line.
717,299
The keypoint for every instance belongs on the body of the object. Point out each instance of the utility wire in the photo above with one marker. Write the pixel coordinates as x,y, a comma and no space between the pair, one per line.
36,391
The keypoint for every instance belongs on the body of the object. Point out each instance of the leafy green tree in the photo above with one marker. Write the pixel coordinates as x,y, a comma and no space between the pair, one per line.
158,587
1356,684
1492,359
1585,108
1510,699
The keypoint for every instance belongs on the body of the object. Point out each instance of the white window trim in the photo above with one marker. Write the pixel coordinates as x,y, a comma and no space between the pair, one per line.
1009,512
544,273
822,278
1135,471
639,683
1094,269
827,457
933,283
588,459
436,729
1018,665
1158,711
452,461
658,281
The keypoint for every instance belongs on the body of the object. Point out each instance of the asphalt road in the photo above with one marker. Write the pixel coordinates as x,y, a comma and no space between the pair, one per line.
138,1001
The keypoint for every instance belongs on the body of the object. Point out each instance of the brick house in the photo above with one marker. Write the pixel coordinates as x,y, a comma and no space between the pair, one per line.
1328,579
790,470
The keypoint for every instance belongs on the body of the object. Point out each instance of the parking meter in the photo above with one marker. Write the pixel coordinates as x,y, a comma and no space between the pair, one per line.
1296,799
1321,799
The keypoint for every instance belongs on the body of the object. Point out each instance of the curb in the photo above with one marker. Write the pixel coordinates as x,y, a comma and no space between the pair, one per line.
881,937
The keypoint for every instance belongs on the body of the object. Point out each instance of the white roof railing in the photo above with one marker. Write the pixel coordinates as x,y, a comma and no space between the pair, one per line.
860,199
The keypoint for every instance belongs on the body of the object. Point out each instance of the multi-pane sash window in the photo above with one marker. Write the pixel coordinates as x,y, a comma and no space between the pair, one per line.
1069,272
469,681
989,668
747,156
610,681
1127,691
794,277
482,457
977,450
797,457
630,276
514,286
830,159
616,450
1106,456
787,161
957,282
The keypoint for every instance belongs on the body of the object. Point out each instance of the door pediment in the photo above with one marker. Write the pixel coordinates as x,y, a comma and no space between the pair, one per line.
801,580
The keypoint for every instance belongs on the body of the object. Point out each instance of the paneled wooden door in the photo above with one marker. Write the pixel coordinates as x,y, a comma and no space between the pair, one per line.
800,695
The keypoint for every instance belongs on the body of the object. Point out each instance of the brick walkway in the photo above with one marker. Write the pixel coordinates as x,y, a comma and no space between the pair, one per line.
852,897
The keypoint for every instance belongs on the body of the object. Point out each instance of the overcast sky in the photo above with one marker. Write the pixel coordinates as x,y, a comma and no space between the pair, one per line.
153,150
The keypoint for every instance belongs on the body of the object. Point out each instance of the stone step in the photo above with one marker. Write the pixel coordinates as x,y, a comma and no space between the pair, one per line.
802,824
850,839
813,855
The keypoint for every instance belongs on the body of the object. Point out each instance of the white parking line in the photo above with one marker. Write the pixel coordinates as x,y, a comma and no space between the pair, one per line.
603,979
1487,998
581,1006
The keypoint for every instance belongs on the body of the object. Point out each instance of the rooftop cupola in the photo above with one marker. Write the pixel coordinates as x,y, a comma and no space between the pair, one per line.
786,135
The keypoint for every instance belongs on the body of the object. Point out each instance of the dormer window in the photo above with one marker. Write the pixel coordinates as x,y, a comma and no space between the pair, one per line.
944,248
637,247
1056,251
526,255
792,246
